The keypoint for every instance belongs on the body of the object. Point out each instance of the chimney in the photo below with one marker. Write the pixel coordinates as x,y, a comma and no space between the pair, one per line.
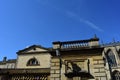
4,59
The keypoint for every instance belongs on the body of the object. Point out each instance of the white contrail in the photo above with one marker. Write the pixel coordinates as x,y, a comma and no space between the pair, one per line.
72,15
92,25
89,23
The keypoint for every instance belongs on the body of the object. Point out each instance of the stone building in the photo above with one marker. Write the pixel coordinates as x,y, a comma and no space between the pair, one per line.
111,56
68,60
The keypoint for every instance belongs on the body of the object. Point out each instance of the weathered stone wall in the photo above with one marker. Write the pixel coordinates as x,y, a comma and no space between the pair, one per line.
43,59
55,73
2,65
7,65
99,68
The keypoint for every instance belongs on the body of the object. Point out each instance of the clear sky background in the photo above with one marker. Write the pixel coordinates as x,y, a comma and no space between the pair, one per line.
27,22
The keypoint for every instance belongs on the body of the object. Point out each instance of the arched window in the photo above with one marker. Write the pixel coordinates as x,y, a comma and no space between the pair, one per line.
116,75
111,58
32,62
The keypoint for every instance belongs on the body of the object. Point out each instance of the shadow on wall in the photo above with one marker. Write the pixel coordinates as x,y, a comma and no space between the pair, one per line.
75,67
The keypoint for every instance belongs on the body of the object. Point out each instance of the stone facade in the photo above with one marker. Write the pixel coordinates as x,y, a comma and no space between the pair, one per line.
11,63
55,69
69,60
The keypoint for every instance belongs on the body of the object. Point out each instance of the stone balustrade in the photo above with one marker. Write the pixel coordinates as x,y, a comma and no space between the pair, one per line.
76,44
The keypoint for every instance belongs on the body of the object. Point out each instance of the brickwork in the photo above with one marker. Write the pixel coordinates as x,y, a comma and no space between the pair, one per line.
99,69
55,69
43,60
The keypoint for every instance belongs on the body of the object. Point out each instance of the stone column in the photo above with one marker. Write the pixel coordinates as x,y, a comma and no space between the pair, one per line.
99,68
55,72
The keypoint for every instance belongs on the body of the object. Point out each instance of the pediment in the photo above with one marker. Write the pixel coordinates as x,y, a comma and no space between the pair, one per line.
33,48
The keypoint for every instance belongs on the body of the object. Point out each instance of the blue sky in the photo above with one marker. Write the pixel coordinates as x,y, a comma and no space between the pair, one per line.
27,22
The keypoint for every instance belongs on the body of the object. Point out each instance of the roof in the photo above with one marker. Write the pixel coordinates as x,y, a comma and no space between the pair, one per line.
32,47
95,38
8,61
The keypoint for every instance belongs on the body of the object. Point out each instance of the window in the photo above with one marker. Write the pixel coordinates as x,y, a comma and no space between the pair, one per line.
116,75
111,58
32,62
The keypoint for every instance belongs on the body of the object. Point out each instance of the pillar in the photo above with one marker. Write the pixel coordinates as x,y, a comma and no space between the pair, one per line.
55,72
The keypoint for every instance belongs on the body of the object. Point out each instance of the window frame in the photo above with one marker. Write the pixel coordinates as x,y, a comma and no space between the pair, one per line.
111,58
33,62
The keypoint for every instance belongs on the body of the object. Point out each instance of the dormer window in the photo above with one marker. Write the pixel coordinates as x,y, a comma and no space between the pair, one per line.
33,62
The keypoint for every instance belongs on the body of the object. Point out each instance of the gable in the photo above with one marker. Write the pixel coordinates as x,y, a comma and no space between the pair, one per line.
33,48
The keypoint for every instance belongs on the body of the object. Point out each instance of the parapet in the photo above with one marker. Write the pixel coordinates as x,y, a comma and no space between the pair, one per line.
93,42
